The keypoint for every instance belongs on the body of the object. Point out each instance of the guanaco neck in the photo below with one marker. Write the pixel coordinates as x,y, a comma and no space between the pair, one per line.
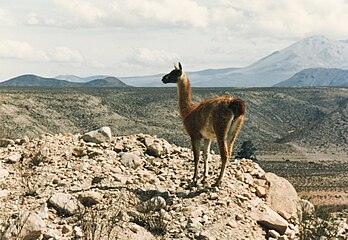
185,99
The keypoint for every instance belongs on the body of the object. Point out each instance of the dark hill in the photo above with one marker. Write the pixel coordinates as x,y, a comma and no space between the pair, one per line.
106,82
31,80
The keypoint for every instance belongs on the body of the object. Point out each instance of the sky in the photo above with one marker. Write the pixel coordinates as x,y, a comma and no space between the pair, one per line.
143,37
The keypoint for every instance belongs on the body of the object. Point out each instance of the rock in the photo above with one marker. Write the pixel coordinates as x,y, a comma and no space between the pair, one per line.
3,174
274,233
213,196
281,195
194,224
98,136
78,232
155,150
65,204
260,191
52,234
31,225
66,229
90,198
131,160
6,142
14,157
43,211
4,193
269,219
154,204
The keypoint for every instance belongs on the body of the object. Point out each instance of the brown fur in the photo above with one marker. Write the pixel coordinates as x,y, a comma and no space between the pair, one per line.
219,118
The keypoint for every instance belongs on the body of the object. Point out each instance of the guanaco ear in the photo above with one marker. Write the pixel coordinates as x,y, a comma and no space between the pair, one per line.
176,67
180,67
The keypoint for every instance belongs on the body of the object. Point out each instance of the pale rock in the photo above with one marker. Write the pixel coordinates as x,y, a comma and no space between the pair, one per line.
285,215
213,196
52,234
6,142
79,151
260,191
4,193
43,211
155,150
274,233
154,204
90,198
78,232
247,178
206,235
14,157
98,136
268,218
232,224
194,224
64,203
3,174
281,195
131,160
32,227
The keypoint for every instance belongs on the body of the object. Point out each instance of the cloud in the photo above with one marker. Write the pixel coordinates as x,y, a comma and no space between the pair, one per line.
152,57
123,14
24,51
20,50
66,55
6,18
271,18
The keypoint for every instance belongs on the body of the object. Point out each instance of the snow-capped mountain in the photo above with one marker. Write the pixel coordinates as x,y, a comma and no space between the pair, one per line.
312,52
332,77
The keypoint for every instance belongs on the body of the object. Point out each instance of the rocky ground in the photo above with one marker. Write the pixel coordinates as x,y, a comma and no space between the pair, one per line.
95,186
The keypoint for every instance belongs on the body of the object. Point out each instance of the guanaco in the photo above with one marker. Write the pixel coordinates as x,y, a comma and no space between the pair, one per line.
219,118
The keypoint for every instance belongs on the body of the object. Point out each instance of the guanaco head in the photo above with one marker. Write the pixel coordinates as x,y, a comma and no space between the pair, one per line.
174,75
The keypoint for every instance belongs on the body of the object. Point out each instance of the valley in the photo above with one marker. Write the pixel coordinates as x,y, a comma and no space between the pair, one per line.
299,133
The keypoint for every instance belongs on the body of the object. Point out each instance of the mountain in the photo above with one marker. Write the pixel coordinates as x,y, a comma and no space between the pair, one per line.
106,82
317,77
74,78
37,81
30,80
312,52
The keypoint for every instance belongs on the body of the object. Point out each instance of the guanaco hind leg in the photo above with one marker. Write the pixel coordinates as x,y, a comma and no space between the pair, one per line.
206,151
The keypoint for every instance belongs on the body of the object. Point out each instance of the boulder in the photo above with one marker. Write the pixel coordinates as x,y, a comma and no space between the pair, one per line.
131,160
14,157
269,219
155,150
32,227
281,195
64,203
90,198
98,136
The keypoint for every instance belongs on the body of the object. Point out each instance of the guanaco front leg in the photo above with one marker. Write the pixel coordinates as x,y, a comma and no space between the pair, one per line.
196,145
206,151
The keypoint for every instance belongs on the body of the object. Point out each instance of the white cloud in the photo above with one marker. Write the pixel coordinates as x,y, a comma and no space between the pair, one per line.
20,50
24,51
6,18
66,55
149,57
